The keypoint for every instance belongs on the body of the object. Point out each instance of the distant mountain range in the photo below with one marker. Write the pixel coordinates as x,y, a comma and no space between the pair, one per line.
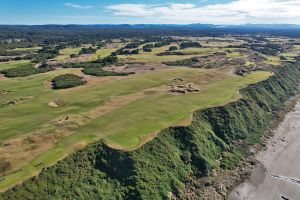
162,26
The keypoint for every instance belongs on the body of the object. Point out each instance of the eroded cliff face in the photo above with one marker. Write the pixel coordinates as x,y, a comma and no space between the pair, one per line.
216,138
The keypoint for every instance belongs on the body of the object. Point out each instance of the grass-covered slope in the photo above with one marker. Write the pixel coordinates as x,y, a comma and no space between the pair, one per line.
163,164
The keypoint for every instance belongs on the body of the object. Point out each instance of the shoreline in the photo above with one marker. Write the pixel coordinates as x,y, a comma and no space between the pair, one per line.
275,176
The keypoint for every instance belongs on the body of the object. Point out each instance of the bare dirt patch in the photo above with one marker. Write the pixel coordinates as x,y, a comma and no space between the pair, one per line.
53,104
56,103
2,77
179,85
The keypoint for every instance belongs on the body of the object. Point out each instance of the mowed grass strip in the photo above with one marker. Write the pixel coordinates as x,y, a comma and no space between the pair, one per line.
14,64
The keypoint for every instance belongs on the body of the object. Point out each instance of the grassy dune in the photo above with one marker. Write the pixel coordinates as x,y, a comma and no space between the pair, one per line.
124,112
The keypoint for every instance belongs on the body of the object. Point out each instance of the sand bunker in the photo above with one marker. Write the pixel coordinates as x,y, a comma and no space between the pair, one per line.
56,103
2,77
179,85
186,88
53,104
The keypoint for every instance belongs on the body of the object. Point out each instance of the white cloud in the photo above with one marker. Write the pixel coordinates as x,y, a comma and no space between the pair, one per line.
235,12
133,10
76,17
182,6
77,6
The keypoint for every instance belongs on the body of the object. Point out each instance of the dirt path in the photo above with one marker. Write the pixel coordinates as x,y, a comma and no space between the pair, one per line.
2,77
277,176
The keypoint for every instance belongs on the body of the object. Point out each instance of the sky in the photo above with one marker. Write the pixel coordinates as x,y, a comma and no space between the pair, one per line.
149,12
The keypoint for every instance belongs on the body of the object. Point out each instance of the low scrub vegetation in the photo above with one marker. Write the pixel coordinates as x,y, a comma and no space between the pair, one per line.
186,62
185,45
132,45
161,44
148,47
82,65
170,53
97,71
24,71
67,81
126,51
173,48
89,50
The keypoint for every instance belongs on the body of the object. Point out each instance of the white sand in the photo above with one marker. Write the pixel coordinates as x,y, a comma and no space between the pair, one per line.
277,175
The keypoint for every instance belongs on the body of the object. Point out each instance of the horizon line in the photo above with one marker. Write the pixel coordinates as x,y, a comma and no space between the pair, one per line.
116,24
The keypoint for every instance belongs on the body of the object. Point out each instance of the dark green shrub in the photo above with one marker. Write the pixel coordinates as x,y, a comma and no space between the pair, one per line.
186,62
67,81
97,71
161,44
73,55
185,45
132,45
147,50
24,71
89,50
169,53
173,48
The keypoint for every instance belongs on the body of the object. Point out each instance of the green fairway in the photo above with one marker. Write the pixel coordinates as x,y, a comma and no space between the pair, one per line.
125,112
14,64
101,53
67,52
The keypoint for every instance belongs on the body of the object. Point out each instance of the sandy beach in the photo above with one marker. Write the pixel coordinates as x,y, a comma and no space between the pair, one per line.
277,176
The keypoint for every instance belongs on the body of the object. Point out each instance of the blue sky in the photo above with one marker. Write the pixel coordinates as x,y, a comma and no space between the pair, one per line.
151,11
